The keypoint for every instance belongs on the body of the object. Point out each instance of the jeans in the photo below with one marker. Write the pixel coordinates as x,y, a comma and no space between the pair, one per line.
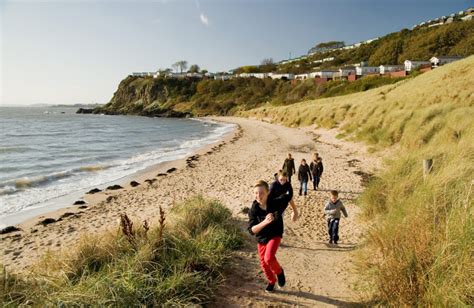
315,181
333,229
304,187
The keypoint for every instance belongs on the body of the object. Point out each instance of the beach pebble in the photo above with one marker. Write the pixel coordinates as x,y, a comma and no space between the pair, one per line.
171,170
94,191
134,183
9,229
161,174
84,206
114,187
78,202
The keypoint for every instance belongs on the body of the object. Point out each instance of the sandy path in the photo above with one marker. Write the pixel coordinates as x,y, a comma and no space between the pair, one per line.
317,274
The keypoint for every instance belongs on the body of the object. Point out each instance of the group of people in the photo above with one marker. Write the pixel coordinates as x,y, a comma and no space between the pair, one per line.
271,201
306,173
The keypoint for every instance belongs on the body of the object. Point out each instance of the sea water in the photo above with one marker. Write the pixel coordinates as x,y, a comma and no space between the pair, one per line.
50,152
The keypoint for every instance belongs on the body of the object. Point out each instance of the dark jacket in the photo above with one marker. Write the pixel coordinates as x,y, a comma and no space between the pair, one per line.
257,215
304,173
276,190
316,168
289,166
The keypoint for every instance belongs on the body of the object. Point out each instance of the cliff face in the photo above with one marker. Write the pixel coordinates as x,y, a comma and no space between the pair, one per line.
150,97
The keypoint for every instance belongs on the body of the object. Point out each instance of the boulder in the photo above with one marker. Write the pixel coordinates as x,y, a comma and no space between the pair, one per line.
85,110
94,191
134,183
46,221
79,202
114,187
9,229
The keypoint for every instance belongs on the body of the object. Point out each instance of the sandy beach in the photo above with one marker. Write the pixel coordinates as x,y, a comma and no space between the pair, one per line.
317,274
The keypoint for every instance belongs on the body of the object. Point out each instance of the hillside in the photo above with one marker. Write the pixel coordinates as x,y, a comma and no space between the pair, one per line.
456,39
418,250
181,97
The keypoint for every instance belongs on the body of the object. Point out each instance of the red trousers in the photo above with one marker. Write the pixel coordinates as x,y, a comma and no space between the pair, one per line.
268,261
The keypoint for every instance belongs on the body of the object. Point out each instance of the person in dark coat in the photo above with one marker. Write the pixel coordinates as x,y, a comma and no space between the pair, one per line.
266,224
281,186
289,167
304,174
317,169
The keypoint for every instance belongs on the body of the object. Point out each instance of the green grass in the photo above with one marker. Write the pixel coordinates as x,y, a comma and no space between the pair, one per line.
173,264
418,250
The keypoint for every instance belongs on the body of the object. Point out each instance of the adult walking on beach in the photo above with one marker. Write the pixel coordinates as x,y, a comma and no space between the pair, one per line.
266,223
304,174
317,169
289,167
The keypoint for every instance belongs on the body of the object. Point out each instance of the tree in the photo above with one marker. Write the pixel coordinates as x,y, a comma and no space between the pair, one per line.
267,61
194,68
181,65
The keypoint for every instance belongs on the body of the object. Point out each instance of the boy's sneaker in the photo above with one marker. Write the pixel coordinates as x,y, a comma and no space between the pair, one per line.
270,287
281,279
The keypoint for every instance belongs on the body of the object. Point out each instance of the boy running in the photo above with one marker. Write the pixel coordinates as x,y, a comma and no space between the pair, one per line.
266,223
333,210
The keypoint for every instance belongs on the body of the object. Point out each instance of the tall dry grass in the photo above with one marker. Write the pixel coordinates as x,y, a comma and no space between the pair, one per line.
176,262
419,249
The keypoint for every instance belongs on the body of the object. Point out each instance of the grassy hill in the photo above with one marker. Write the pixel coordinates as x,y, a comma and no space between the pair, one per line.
419,249
419,44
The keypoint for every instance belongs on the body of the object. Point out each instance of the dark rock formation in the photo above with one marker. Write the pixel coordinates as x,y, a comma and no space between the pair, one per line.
134,183
85,111
114,187
79,202
171,170
9,229
47,221
94,191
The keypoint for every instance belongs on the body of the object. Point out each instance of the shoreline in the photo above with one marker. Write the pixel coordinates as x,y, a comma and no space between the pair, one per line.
55,207
255,151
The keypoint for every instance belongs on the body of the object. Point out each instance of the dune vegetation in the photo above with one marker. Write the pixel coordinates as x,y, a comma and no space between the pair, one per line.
418,250
178,261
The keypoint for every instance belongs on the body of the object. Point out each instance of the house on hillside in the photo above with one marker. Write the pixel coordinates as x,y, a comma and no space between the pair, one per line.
367,70
329,74
301,76
467,18
438,61
384,69
344,72
286,76
223,77
412,65
143,74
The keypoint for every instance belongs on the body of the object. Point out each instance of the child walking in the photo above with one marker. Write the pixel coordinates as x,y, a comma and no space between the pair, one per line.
266,223
333,210
304,174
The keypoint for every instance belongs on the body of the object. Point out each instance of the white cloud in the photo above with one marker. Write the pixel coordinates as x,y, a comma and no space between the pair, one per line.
204,19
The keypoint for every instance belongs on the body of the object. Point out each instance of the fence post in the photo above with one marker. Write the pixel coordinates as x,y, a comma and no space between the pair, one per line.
427,166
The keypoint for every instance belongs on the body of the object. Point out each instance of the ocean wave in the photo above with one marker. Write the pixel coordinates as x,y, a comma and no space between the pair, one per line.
20,149
15,185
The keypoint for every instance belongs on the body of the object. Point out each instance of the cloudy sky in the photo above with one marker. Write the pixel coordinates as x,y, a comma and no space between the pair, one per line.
77,51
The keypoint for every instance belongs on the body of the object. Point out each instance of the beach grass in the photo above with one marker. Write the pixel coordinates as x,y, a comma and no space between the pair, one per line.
418,250
176,261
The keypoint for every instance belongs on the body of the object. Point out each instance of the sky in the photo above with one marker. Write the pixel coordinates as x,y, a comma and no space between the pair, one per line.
78,51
